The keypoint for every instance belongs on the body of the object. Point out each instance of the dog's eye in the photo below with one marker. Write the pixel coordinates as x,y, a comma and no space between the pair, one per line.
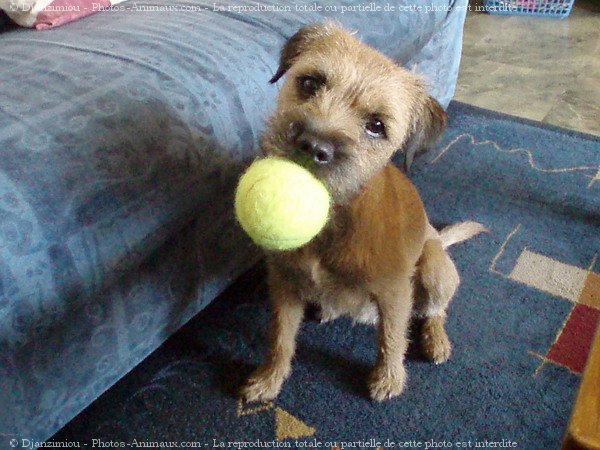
375,128
309,85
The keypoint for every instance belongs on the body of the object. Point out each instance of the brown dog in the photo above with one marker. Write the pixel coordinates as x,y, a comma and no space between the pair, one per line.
343,111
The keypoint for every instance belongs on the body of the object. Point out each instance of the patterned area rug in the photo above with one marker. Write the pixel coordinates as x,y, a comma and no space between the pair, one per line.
521,323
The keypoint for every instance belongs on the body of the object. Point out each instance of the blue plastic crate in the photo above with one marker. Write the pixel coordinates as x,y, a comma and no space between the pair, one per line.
547,8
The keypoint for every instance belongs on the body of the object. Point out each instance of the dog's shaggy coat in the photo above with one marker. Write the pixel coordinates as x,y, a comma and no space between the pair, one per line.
343,111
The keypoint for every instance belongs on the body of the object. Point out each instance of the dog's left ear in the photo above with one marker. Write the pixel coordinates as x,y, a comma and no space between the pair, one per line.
299,43
429,123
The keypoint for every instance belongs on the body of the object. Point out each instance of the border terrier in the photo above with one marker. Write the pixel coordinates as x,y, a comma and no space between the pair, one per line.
343,111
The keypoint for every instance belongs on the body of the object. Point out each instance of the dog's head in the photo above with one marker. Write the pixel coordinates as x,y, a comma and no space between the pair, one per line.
344,109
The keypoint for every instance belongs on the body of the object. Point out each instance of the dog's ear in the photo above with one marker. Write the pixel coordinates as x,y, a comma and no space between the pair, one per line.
429,123
297,44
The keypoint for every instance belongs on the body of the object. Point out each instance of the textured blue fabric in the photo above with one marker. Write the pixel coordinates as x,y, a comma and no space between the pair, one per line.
115,132
492,388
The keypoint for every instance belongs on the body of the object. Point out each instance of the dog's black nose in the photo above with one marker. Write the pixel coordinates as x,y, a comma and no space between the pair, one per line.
321,151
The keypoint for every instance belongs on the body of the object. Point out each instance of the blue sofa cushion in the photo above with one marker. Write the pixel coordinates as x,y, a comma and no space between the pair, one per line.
115,132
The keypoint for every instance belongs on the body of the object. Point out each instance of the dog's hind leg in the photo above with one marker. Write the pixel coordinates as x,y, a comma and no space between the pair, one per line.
436,282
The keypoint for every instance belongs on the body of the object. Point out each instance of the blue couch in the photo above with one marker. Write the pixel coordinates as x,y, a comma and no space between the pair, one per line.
121,138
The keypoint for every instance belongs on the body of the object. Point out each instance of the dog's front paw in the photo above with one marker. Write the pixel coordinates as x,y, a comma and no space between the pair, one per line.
263,385
434,341
385,383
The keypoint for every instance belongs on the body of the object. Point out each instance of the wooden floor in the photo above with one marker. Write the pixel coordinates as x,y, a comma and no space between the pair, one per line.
539,68
584,427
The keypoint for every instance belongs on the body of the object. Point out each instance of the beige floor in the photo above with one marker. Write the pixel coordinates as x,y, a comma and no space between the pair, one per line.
538,68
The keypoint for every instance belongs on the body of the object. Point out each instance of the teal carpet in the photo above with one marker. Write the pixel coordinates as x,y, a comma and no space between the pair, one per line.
521,323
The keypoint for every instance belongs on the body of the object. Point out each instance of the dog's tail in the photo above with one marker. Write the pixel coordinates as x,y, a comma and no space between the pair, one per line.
459,232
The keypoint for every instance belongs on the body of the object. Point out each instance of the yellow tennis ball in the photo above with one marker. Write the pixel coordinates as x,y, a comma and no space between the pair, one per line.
280,204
